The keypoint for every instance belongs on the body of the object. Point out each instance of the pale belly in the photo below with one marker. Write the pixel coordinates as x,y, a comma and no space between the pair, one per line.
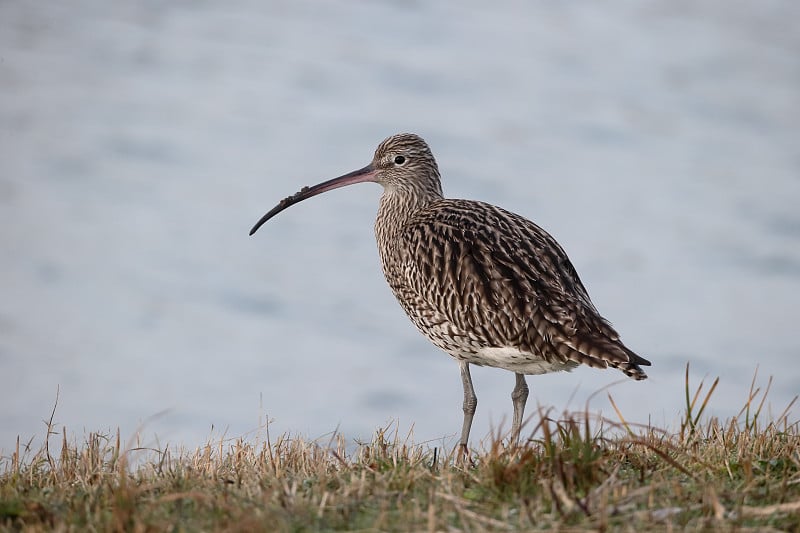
515,360
466,347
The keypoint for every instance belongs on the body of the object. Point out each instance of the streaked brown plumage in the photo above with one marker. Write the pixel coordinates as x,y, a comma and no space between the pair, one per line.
485,285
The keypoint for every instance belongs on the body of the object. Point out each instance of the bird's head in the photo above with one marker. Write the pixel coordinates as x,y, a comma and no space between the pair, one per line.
402,163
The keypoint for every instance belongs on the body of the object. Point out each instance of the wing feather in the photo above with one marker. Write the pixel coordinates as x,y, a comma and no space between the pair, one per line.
500,280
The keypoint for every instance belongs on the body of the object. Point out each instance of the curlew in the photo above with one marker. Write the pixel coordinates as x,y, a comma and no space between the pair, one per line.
487,286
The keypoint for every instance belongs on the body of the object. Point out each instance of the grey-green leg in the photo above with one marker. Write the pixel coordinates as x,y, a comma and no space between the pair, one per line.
470,403
518,397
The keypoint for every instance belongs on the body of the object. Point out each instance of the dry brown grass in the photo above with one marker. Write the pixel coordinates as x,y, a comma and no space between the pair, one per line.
576,472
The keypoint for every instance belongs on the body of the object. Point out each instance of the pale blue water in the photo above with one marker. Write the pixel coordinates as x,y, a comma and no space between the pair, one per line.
139,142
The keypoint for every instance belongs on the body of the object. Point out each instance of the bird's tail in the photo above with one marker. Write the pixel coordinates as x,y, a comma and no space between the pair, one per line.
631,368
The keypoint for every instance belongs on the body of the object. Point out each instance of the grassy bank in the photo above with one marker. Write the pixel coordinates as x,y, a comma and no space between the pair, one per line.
575,472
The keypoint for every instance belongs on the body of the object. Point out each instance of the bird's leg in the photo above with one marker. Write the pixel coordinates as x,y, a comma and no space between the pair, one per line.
518,397
470,403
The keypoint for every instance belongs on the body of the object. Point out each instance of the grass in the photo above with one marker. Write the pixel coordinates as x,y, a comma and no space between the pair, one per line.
576,472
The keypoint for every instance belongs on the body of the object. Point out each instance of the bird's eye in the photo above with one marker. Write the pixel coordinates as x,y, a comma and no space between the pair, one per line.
399,160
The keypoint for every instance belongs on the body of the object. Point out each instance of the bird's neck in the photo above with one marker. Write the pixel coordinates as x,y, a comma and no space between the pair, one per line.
398,205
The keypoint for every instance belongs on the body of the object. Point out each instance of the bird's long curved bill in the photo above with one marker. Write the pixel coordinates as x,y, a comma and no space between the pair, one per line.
357,176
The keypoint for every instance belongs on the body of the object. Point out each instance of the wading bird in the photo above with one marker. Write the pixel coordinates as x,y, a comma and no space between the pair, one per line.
485,285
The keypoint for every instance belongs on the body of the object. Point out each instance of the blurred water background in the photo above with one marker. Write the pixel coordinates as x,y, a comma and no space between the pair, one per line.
658,141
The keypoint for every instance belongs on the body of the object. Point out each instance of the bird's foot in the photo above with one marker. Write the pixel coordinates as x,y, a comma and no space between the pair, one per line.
463,457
